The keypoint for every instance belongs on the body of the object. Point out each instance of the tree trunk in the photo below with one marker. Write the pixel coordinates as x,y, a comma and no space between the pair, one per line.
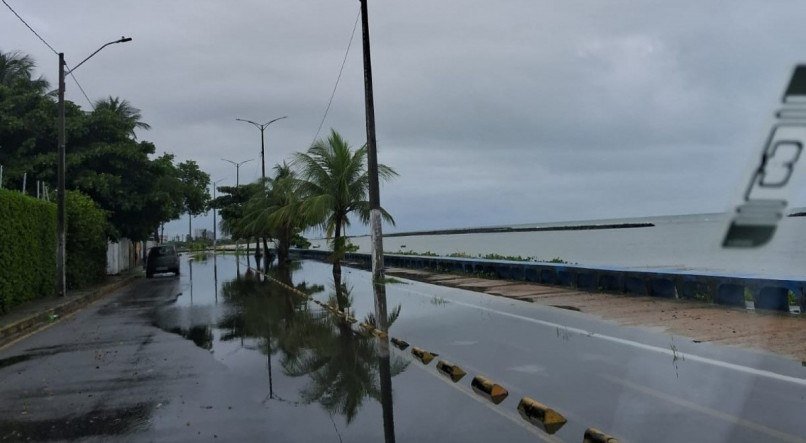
190,227
338,250
283,245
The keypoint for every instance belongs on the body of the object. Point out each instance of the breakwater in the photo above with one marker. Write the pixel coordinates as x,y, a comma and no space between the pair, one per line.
509,229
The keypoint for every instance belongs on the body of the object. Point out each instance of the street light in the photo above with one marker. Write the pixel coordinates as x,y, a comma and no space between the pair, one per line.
262,128
237,169
61,221
215,221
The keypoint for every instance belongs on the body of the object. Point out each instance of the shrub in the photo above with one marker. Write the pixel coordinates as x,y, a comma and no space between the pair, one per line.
27,248
86,241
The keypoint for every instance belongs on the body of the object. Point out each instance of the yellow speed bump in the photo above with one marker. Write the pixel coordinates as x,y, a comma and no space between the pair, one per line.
400,344
489,390
455,373
541,415
423,355
593,435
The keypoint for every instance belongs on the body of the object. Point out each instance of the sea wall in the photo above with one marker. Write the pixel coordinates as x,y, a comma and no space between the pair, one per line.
732,290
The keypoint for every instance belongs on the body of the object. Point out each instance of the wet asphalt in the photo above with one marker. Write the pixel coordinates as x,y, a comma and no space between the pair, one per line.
218,354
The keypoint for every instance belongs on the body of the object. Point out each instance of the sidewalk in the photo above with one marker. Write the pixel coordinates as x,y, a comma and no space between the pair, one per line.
780,333
31,316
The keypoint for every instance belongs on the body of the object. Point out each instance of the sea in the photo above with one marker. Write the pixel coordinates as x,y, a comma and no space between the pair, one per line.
680,242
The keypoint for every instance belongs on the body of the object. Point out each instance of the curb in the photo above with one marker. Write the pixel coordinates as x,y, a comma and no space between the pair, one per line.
33,322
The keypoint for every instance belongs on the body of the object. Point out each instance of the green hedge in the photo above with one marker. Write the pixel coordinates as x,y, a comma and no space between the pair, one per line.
27,248
86,241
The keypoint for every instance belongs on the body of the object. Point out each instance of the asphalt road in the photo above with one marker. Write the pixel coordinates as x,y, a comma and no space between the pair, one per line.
218,357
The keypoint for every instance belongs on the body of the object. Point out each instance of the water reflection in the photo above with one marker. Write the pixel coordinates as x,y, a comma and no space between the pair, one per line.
384,361
343,367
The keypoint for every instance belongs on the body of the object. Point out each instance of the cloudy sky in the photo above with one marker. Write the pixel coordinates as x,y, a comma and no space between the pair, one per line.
492,112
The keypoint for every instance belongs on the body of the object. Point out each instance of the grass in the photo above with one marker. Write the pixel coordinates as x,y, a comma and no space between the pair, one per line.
393,281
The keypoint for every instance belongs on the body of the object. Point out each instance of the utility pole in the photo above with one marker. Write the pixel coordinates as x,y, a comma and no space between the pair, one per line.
61,221
379,286
372,156
61,236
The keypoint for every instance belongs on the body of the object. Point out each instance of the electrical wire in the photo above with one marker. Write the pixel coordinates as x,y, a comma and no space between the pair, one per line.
42,39
80,88
338,79
29,27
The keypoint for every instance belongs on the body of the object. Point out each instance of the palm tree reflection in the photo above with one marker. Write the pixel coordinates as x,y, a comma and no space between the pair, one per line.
344,367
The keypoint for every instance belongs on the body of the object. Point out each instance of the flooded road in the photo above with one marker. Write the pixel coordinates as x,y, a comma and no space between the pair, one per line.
225,353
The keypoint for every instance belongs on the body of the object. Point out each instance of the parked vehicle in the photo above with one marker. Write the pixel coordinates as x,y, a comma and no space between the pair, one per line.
162,259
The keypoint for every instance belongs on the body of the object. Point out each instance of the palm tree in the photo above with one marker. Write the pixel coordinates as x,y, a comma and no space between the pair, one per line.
276,212
129,116
17,69
334,183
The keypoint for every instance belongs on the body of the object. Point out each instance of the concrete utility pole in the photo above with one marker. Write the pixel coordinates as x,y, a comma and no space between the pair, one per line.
372,156
61,236
262,129
61,221
379,286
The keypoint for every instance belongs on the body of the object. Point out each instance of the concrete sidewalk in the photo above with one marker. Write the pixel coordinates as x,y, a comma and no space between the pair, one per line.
36,314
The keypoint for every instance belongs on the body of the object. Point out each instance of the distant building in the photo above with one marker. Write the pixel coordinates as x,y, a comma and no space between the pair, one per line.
201,233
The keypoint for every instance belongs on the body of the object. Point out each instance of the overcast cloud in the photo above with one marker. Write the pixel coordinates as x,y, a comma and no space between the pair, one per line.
492,112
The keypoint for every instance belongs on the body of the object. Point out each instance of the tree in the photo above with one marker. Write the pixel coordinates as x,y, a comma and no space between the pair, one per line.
119,115
334,184
276,211
138,190
196,196
16,69
231,204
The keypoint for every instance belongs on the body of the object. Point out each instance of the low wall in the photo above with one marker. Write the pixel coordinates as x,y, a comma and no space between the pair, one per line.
731,290
121,256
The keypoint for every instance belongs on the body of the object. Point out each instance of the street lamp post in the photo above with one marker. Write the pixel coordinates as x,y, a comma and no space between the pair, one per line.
61,220
237,169
237,184
215,221
262,129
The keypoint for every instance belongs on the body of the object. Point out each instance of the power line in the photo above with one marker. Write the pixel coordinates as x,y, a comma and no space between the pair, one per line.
82,89
333,94
29,27
42,39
